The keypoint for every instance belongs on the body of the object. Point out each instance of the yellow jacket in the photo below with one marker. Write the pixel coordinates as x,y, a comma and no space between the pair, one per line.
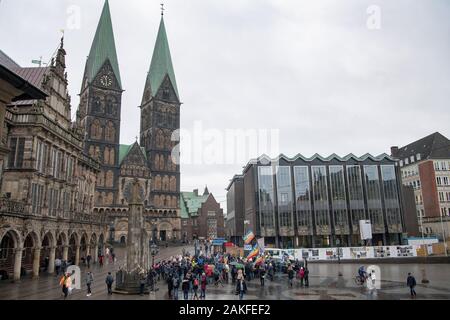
65,281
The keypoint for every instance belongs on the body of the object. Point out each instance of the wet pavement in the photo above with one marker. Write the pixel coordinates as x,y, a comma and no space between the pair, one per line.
325,284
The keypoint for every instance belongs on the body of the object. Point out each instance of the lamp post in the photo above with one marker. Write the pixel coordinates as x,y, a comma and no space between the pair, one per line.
424,276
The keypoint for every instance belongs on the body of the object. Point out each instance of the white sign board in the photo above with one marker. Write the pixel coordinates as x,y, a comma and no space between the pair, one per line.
365,227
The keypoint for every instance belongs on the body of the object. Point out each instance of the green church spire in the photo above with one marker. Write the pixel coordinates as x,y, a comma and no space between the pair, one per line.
161,65
103,48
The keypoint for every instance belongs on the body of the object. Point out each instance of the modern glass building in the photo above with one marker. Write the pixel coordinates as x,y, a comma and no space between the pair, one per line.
318,202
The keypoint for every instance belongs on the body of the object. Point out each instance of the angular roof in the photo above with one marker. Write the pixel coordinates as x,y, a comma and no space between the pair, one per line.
124,149
190,203
6,61
161,65
103,48
434,146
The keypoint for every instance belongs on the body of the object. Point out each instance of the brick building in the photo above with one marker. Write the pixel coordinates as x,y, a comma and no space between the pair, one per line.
425,166
201,216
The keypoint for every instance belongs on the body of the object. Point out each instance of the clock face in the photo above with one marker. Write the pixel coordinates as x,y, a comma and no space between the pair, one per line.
106,81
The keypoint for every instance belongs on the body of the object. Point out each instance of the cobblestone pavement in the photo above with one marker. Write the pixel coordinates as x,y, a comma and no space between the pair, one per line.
325,284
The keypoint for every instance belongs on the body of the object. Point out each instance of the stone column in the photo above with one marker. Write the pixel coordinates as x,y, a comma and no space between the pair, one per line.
65,252
77,255
36,262
51,260
17,263
88,250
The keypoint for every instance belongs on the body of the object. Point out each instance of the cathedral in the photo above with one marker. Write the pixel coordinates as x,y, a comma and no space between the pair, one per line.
150,161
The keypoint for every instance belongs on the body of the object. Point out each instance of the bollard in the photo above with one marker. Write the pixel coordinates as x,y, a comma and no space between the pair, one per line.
424,277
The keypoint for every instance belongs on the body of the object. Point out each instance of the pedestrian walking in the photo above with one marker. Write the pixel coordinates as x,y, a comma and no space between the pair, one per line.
142,282
65,283
176,285
262,275
241,288
301,274
89,281
185,288
109,282
290,272
306,277
203,286
195,288
411,283
169,285
88,261
57,266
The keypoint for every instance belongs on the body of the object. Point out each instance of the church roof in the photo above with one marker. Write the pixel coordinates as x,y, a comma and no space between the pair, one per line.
434,146
161,65
124,149
8,62
190,202
103,48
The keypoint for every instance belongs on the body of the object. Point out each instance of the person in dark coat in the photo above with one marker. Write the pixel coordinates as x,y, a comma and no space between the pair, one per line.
241,288
411,283
185,288
170,285
109,281
306,277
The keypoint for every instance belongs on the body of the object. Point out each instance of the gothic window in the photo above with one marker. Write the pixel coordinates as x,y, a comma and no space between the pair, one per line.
173,184
174,202
92,151
160,139
106,159
166,93
98,153
158,182
161,163
98,105
96,130
168,142
112,156
157,162
101,179
110,198
109,179
111,105
156,201
110,132
165,183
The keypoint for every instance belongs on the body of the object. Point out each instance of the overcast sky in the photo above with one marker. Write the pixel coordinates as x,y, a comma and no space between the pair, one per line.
317,71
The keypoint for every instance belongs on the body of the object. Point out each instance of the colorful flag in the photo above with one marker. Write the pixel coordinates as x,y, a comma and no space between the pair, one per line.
249,237
259,260
253,253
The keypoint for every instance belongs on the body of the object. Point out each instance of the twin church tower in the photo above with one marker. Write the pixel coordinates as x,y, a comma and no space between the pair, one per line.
99,116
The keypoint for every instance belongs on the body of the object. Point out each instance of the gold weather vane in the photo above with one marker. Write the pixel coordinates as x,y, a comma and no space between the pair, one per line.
162,9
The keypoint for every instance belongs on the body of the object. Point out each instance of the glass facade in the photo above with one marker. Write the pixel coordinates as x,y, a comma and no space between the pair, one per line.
338,200
391,198
356,196
266,198
303,200
320,196
284,195
374,205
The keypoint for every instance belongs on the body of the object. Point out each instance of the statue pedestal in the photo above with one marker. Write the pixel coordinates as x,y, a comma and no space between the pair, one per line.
129,283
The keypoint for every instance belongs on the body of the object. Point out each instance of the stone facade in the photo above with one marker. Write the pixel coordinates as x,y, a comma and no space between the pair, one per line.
46,209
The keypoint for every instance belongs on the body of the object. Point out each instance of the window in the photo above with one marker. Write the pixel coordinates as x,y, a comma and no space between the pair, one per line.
438,181
302,198
391,199
448,196
37,192
412,159
401,163
372,183
211,213
418,157
320,196
445,181
284,189
17,146
356,198
266,197
441,197
338,198
406,161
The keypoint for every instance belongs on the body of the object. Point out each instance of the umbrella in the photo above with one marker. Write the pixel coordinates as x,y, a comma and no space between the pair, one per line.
237,264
